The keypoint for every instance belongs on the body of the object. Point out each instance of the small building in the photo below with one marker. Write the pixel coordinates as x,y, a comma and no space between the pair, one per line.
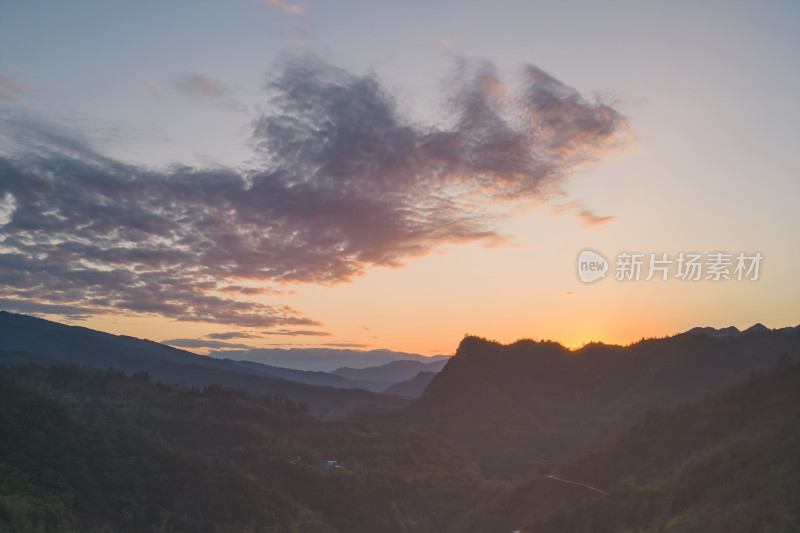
330,464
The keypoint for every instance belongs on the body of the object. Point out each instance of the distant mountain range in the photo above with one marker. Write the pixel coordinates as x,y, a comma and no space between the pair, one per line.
414,387
24,338
731,331
394,371
695,432
324,359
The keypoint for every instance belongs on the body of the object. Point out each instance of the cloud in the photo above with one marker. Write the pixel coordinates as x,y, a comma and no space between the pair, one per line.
298,333
8,205
75,312
297,9
198,85
153,90
11,89
210,90
345,345
586,216
203,343
231,335
590,220
251,291
346,182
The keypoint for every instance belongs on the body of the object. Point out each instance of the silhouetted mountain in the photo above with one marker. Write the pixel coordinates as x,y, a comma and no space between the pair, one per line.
393,372
309,377
526,405
322,359
414,387
36,339
730,331
89,450
756,328
728,462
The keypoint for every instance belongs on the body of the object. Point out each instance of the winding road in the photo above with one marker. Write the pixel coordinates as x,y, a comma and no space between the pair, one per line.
576,483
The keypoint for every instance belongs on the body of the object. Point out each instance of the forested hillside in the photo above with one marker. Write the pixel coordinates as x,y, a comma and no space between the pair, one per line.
727,463
84,451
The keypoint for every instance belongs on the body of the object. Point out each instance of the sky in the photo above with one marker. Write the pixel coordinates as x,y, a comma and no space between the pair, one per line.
224,174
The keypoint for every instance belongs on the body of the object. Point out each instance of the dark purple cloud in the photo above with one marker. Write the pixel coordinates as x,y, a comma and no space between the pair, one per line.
231,335
297,333
347,182
204,343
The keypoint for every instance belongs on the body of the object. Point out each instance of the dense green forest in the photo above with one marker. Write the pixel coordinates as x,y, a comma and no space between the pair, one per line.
694,444
101,451
729,462
531,405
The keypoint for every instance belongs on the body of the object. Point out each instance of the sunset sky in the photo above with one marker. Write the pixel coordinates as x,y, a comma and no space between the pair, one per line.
244,173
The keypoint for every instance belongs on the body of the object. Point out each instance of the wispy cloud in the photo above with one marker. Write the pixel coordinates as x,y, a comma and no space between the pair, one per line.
297,9
203,343
231,335
152,89
209,90
12,89
346,182
345,345
198,85
298,333
590,220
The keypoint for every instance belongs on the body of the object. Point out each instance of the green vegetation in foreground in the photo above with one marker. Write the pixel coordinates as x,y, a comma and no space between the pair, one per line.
106,452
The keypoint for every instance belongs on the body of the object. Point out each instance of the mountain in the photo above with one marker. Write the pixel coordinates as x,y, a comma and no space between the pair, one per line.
27,338
519,407
730,331
414,387
727,462
309,377
691,433
322,359
86,450
393,372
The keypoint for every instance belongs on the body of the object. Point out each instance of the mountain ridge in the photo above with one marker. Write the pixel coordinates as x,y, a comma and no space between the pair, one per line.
515,407
44,340
322,359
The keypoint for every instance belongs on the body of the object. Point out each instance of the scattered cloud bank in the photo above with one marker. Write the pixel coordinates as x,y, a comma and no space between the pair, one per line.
346,182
